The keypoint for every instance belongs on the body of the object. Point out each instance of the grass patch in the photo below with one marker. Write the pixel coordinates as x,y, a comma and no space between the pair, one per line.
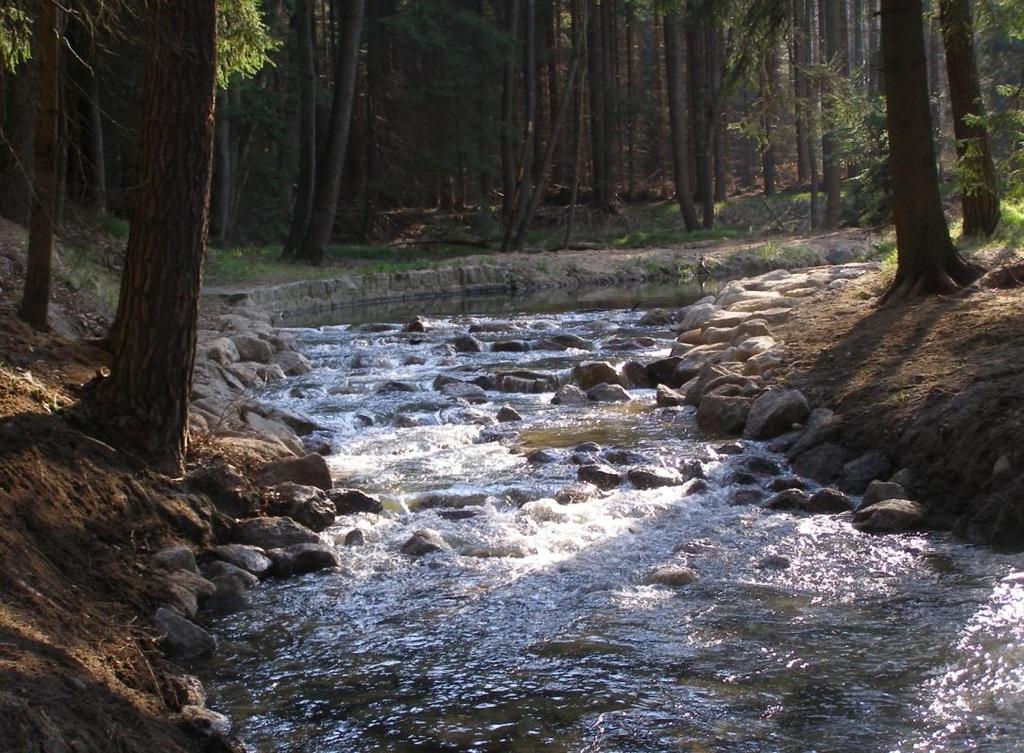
115,226
251,264
672,237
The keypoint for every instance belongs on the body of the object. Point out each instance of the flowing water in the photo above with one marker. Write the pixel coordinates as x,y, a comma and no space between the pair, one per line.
542,630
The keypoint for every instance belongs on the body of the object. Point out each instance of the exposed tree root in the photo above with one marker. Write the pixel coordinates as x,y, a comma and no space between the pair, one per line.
910,284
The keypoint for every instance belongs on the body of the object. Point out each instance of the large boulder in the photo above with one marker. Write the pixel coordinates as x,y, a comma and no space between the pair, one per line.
722,415
510,346
697,315
471,393
307,505
350,501
878,491
222,350
634,374
609,393
311,470
252,348
602,476
666,397
570,394
654,477
467,344
822,463
829,501
251,559
663,371
176,558
508,414
775,412
823,425
273,533
890,516
293,364
302,558
181,638
592,373
563,342
424,541
861,471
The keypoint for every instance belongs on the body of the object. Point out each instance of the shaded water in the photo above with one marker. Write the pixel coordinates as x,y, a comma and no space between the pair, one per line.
540,629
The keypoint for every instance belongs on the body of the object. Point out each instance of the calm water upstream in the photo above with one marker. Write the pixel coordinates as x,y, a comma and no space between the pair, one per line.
537,631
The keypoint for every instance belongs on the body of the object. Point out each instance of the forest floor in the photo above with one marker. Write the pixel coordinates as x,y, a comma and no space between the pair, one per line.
938,383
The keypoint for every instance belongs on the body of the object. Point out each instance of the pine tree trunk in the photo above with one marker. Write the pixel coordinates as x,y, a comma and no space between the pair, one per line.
598,131
768,85
306,180
35,300
927,260
698,79
677,119
223,155
97,154
508,159
980,192
832,163
328,180
148,391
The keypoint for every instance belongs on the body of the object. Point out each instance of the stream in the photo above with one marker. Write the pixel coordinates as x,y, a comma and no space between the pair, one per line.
542,628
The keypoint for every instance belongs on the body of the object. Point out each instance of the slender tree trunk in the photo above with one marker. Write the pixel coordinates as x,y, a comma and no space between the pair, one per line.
328,182
580,29
698,78
508,160
677,119
35,300
796,64
526,159
832,169
927,260
598,130
306,180
659,137
155,335
97,154
980,190
769,83
223,153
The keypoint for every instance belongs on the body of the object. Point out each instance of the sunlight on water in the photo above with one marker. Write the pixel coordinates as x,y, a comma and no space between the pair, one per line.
628,622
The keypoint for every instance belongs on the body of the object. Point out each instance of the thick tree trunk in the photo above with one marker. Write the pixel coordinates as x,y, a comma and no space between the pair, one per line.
328,181
677,119
699,77
148,391
35,300
306,180
980,190
927,260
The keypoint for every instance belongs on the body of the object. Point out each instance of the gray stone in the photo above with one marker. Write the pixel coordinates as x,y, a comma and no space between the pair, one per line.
204,722
232,595
507,414
293,364
351,501
788,499
176,558
878,491
829,501
510,346
220,568
424,541
666,397
602,476
890,516
822,463
543,457
249,558
182,639
663,371
307,505
576,493
355,537
670,575
311,470
467,344
858,473
570,395
656,318
634,374
654,477
622,456
592,373
563,342
463,391
272,533
823,425
840,254
416,325
222,350
609,393
775,412
185,591
252,348
302,558
697,315
719,415
391,387
786,482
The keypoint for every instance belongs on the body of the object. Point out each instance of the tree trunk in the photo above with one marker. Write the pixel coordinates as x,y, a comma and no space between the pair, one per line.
306,180
155,334
769,82
508,160
980,190
677,119
97,154
832,164
328,181
698,78
598,130
224,168
35,300
927,260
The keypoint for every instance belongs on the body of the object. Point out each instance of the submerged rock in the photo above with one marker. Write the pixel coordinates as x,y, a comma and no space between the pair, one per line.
602,476
654,477
670,575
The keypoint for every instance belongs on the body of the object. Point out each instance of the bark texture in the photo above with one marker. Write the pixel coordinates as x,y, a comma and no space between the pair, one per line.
147,394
